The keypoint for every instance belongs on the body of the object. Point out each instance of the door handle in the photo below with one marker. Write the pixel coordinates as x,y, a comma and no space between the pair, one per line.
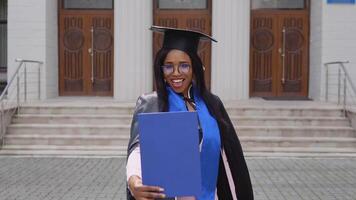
283,54
91,52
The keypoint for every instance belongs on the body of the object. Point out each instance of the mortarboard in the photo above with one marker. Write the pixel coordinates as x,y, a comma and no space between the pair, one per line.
181,39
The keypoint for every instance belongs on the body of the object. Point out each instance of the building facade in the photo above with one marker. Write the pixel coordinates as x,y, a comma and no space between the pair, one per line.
104,48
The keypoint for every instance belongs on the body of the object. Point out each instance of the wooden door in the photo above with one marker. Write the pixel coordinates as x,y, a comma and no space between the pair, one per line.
86,52
187,14
279,53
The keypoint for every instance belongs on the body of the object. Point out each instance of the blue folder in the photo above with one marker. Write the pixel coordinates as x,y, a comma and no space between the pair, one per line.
169,143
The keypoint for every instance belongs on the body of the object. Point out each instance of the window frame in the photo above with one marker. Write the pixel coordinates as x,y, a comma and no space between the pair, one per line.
157,7
62,7
3,69
306,7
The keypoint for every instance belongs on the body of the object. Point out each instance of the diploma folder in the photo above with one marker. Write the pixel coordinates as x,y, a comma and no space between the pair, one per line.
170,158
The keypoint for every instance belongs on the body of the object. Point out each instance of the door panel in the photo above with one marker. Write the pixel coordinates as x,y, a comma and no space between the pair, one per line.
86,52
294,70
193,19
279,53
73,55
102,73
263,54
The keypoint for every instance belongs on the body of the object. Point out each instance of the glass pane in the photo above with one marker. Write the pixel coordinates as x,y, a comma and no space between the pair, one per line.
88,4
278,4
3,10
3,33
182,4
3,45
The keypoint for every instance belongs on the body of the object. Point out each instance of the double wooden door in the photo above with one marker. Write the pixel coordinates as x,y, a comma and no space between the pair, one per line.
279,53
86,52
187,14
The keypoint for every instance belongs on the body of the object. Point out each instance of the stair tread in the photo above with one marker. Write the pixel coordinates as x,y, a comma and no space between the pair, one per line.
38,136
102,105
284,107
67,126
63,147
63,152
286,118
273,138
296,127
76,115
302,149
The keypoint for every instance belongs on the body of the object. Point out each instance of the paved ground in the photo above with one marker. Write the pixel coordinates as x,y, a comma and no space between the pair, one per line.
103,179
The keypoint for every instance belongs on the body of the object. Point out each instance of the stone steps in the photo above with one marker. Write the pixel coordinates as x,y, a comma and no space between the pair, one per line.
126,119
66,140
71,119
297,142
285,111
51,150
293,131
289,121
103,130
123,130
68,129
118,109
68,109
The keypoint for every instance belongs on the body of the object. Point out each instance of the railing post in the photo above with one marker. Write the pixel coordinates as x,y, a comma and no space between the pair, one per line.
2,129
326,83
338,85
345,96
18,92
39,81
25,82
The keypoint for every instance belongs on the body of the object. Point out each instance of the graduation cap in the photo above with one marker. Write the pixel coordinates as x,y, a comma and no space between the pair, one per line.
181,39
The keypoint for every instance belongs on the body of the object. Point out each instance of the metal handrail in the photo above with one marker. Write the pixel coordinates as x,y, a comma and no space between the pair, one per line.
4,119
346,80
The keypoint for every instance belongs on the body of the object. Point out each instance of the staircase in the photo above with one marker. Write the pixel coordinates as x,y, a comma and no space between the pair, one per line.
294,131
69,130
103,130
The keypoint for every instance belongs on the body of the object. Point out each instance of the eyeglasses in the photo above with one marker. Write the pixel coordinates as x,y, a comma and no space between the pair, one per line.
168,69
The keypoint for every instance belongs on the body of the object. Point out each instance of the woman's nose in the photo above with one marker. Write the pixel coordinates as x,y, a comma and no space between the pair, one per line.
176,70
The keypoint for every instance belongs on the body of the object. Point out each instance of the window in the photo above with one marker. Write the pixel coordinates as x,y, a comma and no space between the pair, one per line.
182,4
88,4
278,4
3,35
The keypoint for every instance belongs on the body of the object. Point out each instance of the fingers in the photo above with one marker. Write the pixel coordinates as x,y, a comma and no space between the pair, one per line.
146,188
152,195
144,192
148,192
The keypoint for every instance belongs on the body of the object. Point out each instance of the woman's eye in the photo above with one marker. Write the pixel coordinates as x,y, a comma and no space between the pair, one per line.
168,66
184,65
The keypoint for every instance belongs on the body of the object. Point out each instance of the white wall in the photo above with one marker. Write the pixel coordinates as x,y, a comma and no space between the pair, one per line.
333,38
32,32
230,56
133,49
315,67
51,49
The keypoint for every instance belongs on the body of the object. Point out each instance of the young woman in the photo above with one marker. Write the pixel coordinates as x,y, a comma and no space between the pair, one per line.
179,78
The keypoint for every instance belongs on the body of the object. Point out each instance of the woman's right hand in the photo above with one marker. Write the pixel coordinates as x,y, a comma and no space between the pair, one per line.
144,192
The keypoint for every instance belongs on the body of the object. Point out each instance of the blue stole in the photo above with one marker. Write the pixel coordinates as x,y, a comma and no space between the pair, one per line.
210,150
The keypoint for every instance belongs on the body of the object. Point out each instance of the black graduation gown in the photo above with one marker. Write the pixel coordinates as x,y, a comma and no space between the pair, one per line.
230,143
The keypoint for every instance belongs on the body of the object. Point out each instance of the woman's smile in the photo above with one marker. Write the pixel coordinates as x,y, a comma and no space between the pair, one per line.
177,83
